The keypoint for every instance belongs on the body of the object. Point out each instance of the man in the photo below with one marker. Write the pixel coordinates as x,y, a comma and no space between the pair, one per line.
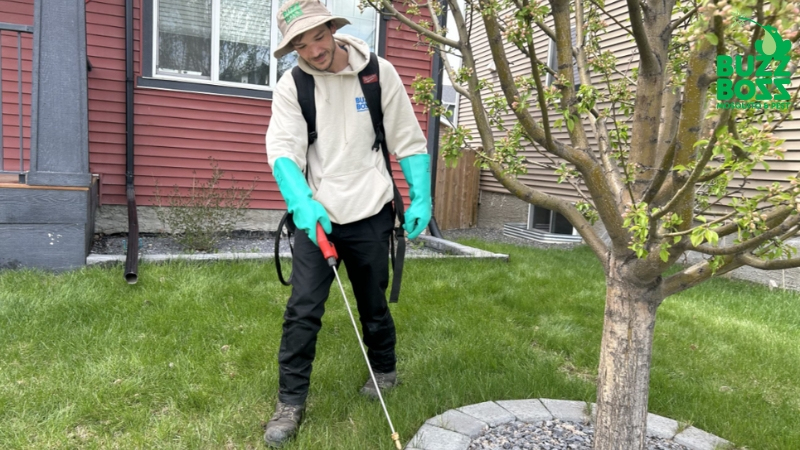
340,183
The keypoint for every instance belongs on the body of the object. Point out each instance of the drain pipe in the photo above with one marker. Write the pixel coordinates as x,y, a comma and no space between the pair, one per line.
132,256
433,124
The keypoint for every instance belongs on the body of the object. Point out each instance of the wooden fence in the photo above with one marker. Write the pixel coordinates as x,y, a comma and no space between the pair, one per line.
456,202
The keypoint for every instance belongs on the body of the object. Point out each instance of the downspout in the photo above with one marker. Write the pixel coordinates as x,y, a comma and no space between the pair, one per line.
433,127
132,256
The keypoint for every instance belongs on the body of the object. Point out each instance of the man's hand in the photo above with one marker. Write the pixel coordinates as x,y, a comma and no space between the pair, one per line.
305,211
307,214
417,171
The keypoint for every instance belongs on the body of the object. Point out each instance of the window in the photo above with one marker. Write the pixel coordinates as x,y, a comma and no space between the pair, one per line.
230,42
552,62
543,219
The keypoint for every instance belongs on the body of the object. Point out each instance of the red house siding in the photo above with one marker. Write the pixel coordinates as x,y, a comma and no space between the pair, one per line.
105,48
410,58
18,12
177,132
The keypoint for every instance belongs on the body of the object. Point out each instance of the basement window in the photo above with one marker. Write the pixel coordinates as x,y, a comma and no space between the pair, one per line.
548,221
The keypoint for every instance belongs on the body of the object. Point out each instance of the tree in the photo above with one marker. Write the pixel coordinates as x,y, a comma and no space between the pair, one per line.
670,170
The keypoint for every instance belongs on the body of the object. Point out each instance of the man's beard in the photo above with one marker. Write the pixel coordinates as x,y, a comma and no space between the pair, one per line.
330,64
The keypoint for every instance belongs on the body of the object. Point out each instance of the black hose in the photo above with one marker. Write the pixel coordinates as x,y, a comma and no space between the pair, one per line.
132,256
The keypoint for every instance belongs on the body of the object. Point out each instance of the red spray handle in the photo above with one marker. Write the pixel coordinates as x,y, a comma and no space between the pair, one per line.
328,250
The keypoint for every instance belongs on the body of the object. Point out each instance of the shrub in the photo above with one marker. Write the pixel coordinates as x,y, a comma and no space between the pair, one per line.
206,212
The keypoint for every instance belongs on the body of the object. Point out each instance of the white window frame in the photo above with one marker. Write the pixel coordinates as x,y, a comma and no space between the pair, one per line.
553,63
215,31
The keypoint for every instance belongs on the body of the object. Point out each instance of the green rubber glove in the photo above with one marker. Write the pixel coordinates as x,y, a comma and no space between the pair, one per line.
305,211
417,170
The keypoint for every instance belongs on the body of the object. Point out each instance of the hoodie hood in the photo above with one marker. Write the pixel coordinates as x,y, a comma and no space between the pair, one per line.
357,53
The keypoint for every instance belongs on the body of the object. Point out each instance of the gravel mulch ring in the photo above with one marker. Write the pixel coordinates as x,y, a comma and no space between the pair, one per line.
550,435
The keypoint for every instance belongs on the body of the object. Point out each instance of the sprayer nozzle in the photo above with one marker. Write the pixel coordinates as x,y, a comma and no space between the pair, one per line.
396,439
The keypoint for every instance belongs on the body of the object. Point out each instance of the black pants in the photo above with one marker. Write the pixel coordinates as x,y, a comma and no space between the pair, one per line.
363,246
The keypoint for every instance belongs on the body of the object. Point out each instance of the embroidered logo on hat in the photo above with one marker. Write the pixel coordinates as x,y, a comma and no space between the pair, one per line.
292,12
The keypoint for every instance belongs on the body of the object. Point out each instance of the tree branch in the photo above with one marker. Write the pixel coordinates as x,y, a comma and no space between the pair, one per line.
748,244
772,213
584,161
774,264
416,27
666,138
696,274
620,24
698,170
692,113
675,24
564,54
580,159
443,56
554,203
648,60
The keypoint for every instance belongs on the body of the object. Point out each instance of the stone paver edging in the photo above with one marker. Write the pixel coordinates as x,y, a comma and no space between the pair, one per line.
444,249
456,428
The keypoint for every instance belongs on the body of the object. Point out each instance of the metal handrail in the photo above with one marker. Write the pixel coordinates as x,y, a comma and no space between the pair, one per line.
19,30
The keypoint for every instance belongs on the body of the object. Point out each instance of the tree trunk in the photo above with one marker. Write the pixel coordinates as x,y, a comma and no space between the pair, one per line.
624,373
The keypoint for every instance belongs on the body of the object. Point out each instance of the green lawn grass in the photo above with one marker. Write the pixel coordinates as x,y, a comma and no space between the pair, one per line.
186,358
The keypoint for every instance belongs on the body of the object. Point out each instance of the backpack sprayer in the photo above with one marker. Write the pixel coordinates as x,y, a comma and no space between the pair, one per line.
329,253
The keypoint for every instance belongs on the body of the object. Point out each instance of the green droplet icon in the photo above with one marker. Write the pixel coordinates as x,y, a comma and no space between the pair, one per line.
768,45
771,44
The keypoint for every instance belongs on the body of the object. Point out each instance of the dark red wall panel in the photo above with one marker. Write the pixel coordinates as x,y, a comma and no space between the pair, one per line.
177,132
14,47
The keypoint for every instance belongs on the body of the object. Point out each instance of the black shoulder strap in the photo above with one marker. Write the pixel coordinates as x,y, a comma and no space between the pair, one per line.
371,86
305,96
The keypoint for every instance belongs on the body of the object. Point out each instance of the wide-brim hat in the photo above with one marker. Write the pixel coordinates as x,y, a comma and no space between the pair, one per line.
298,16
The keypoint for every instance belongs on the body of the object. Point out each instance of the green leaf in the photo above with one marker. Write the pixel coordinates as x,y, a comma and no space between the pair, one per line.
664,254
676,239
570,124
712,237
700,219
701,142
712,38
697,238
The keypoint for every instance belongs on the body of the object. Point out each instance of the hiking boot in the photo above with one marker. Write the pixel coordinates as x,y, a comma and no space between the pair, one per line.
283,424
385,381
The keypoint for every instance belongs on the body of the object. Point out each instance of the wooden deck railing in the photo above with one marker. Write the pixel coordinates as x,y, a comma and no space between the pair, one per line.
13,160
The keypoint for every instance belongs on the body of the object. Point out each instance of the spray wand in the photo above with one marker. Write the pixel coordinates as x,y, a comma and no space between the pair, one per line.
329,253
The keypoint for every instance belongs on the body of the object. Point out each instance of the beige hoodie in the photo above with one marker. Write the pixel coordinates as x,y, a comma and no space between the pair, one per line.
345,175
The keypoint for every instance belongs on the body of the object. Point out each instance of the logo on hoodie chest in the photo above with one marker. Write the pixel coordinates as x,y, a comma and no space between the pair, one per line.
361,104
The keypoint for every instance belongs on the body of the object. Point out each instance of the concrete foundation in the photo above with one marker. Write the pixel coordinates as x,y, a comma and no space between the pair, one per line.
113,219
496,210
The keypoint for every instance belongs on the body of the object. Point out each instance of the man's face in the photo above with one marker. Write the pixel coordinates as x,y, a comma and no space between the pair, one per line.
316,46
